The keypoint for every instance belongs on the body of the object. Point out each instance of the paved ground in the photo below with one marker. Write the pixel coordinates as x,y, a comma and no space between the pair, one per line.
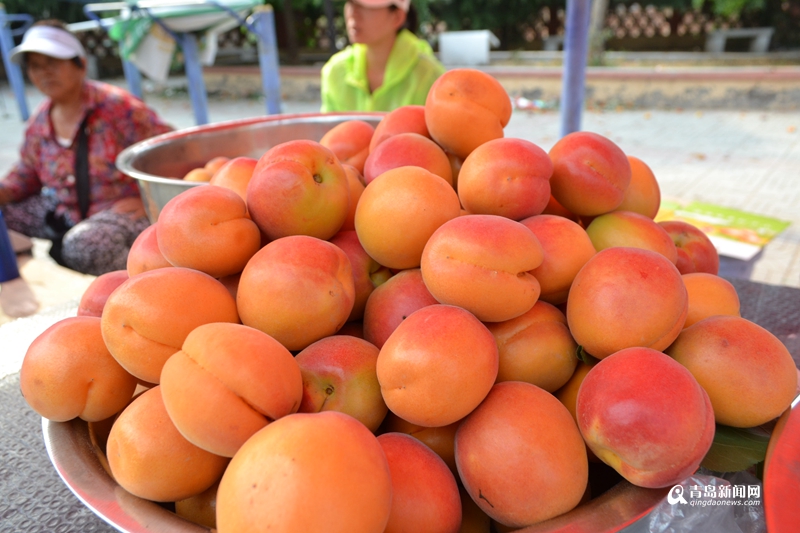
748,160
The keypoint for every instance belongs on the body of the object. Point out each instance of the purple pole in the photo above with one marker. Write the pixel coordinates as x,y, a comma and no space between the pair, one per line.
576,47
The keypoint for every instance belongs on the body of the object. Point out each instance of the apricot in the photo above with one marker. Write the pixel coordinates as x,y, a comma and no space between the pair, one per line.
483,263
355,185
590,173
297,289
568,394
68,372
94,297
208,229
145,254
535,347
404,119
391,303
201,508
465,108
235,175
147,318
424,491
437,366
198,174
696,252
626,228
643,194
339,374
307,472
473,519
709,295
227,382
566,247
407,149
555,208
441,439
644,415
149,457
747,371
398,213
298,187
350,142
506,177
215,163
519,440
367,273
625,297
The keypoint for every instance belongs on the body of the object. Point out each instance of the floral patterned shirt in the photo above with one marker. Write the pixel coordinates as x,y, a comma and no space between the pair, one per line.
117,120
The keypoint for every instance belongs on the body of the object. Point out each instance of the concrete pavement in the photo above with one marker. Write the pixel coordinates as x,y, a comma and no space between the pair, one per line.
748,160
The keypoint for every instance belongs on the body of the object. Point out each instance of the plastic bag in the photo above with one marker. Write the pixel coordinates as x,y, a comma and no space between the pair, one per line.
709,502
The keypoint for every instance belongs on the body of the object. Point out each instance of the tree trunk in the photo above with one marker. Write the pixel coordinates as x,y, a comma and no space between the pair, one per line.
330,14
293,54
597,39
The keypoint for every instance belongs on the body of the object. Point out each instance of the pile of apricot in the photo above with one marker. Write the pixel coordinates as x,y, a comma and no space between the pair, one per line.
418,326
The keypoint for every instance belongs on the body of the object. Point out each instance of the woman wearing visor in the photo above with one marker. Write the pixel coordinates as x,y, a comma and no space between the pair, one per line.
386,66
65,186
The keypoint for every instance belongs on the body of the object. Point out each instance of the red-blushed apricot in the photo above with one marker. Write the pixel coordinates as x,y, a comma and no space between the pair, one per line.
144,254
696,252
709,295
626,228
590,173
94,297
643,195
147,318
296,289
68,372
207,228
505,177
200,509
520,439
437,366
307,472
408,149
625,297
391,302
465,108
367,273
298,188
398,213
338,374
355,185
350,142
404,119
235,175
149,457
227,382
644,415
483,263
536,347
566,248
747,371
424,491
440,439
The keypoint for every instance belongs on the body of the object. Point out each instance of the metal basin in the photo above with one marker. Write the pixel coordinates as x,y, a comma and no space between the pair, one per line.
159,163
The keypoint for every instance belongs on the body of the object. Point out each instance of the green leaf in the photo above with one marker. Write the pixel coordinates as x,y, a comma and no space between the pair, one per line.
736,449
586,357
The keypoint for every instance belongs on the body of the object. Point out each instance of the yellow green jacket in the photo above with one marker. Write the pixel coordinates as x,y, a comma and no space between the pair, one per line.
410,72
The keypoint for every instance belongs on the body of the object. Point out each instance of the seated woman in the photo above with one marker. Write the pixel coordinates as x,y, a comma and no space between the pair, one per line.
65,186
386,66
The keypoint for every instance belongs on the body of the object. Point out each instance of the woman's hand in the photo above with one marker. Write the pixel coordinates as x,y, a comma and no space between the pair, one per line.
133,207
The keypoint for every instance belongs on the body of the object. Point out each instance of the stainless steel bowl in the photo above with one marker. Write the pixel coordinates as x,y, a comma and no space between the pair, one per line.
159,163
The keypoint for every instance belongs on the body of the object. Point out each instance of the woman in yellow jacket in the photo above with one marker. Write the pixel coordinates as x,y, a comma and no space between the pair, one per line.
385,67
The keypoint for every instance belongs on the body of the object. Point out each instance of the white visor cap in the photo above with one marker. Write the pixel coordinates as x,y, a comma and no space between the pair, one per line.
49,41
